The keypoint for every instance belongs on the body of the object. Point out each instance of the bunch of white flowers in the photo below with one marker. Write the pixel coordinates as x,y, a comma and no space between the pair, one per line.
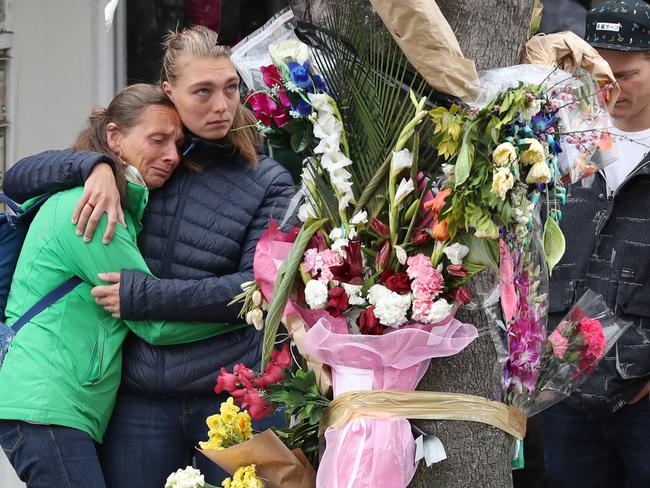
316,293
328,128
185,478
390,308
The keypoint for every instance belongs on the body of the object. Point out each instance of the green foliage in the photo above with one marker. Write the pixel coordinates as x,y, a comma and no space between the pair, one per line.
554,243
299,393
284,284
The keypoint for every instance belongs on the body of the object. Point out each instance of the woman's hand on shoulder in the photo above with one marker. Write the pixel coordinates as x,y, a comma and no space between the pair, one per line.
100,196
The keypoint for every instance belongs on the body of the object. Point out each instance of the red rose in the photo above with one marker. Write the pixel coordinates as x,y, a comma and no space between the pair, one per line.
420,237
457,270
282,357
225,382
337,301
369,324
397,282
462,295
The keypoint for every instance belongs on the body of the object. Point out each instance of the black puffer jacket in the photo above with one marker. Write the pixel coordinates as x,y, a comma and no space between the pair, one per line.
608,251
199,236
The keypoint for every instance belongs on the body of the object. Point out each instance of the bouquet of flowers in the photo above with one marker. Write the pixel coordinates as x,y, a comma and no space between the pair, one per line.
569,354
253,461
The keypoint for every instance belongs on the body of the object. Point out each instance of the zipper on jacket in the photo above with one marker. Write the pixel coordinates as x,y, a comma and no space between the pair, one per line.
173,234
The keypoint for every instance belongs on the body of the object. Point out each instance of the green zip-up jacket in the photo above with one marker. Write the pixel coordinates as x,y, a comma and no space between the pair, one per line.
64,366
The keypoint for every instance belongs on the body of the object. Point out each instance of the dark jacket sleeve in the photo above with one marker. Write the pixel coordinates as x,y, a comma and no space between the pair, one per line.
49,172
143,297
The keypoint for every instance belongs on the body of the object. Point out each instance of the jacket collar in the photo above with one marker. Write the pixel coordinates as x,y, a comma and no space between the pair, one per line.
137,197
203,151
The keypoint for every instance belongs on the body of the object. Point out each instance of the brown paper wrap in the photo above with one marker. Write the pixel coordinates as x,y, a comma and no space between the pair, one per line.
297,329
424,36
567,50
275,463
423,405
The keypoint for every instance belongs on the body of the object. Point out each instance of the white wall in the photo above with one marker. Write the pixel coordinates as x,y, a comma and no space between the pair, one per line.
63,64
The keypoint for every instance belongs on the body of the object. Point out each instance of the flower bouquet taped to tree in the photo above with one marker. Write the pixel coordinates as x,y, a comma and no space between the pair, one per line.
405,196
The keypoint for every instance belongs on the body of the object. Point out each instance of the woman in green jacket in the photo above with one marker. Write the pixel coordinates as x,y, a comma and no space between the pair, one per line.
59,379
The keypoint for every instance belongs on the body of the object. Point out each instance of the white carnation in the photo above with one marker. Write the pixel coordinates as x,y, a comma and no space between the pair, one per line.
354,294
390,308
440,309
316,294
185,478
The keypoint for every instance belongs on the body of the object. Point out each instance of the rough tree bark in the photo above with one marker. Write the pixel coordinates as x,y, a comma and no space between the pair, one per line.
492,33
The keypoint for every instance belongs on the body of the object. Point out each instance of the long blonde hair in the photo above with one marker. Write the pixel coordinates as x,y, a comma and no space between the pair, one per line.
199,41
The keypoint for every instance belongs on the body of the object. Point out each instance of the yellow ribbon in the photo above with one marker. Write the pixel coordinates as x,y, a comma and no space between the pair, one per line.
423,405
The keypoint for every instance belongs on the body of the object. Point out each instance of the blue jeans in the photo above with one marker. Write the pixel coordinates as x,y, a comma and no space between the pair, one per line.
149,438
46,456
604,452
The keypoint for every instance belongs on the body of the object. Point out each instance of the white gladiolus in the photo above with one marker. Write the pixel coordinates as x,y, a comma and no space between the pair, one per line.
321,102
401,160
456,252
327,125
289,50
334,160
257,298
337,246
316,293
400,253
403,190
185,478
359,218
305,211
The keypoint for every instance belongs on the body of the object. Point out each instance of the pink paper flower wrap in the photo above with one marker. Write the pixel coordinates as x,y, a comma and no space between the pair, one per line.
368,453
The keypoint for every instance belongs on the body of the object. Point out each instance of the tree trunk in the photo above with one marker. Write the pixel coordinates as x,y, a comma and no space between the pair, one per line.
492,33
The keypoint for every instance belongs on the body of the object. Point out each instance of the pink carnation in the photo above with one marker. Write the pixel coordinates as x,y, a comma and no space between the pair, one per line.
316,262
560,344
594,338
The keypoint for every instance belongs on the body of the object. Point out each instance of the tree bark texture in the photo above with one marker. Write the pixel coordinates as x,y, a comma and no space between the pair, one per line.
492,33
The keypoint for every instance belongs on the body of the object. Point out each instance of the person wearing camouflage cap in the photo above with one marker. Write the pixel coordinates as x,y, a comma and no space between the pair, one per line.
600,436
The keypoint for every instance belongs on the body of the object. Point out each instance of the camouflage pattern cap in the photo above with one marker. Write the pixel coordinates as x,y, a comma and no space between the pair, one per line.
622,25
